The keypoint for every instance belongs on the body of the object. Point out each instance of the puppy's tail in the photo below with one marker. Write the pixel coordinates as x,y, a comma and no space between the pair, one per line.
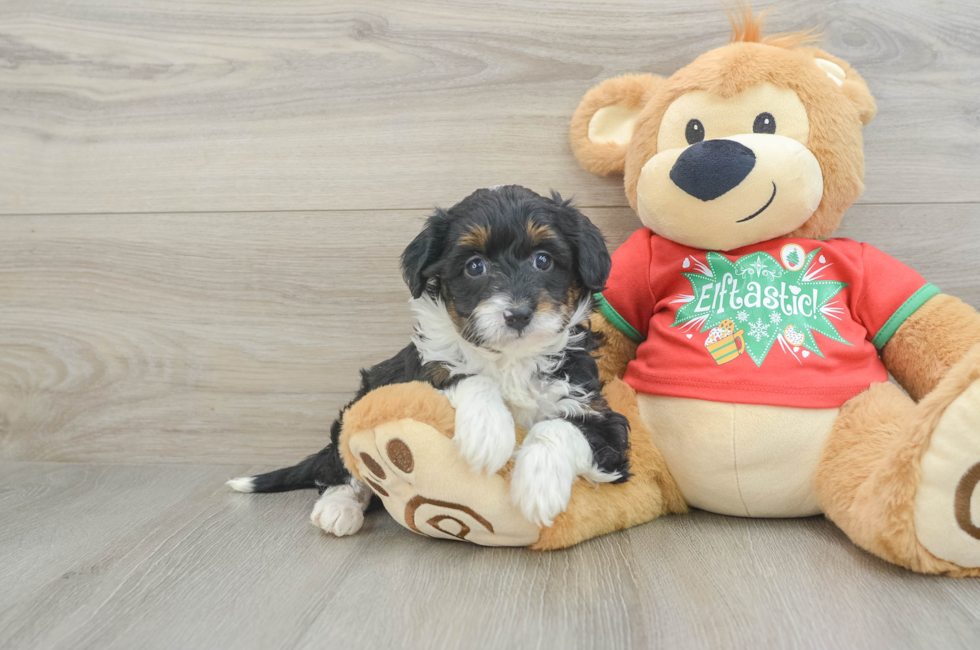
320,470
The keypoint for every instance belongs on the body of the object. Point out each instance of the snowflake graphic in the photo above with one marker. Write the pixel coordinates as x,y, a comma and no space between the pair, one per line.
759,330
742,316
775,318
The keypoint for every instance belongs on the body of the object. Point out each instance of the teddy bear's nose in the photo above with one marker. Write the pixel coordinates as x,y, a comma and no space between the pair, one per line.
708,169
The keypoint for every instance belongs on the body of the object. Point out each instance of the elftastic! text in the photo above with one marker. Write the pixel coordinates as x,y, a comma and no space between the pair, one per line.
783,300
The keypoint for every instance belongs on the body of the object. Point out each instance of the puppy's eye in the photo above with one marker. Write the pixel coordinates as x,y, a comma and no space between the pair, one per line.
764,123
542,261
475,267
694,132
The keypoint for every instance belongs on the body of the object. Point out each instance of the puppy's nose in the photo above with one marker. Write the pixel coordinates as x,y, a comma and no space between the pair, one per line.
518,317
708,169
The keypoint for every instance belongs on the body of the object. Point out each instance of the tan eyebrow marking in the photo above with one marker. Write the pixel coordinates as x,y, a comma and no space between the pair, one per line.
477,237
539,232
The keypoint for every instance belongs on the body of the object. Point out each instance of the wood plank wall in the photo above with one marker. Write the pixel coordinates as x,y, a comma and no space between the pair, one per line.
202,202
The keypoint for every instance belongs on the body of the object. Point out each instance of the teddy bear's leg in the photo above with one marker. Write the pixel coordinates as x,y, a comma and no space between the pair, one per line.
901,479
595,510
398,441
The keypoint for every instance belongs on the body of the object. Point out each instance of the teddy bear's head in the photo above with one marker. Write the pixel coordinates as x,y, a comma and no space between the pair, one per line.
755,140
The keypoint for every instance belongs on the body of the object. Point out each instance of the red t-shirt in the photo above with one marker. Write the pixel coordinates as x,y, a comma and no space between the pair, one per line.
786,322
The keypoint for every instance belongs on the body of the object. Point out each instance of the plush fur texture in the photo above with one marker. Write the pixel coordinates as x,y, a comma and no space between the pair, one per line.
617,349
869,472
930,342
748,27
628,91
414,400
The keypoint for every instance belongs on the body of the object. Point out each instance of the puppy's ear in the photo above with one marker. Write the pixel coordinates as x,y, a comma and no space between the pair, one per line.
592,261
421,257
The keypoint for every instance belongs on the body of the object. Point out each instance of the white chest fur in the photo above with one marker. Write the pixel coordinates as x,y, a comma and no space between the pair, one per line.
525,373
533,396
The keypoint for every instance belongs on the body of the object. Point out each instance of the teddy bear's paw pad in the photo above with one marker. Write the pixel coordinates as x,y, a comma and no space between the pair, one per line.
947,503
447,520
427,486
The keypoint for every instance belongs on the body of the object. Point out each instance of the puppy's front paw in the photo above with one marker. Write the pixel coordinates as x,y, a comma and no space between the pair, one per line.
339,511
485,436
541,483
484,427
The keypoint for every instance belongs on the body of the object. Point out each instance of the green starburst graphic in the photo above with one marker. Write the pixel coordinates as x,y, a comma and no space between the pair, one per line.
765,299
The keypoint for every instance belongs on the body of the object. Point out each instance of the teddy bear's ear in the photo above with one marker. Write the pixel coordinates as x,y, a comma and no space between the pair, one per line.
850,83
603,122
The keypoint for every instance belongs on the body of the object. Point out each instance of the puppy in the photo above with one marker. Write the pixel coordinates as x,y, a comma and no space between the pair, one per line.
501,289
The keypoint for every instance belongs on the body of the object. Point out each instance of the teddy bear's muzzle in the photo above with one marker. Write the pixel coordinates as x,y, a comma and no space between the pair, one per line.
725,193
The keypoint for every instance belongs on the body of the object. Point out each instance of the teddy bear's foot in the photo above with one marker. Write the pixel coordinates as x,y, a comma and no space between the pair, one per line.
430,489
902,478
947,502
398,440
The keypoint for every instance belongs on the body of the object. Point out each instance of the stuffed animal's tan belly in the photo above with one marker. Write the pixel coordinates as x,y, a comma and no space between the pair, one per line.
740,459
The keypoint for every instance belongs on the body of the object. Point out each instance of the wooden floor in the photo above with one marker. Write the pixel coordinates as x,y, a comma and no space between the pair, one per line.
138,556
201,207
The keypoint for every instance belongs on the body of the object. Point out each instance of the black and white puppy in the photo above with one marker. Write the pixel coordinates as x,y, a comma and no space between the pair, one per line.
501,290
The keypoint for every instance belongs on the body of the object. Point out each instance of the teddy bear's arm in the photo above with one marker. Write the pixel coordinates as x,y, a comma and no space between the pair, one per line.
617,349
930,342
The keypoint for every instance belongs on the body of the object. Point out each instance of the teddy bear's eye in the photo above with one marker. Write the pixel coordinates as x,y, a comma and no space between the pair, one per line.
694,132
764,123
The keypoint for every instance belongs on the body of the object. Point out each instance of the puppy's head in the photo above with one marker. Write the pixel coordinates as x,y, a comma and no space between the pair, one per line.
509,265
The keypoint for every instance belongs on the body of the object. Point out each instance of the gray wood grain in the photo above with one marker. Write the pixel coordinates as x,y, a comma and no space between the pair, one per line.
201,208
205,105
235,338
165,557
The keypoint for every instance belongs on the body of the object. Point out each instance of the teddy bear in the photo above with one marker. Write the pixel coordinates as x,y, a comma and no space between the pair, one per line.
748,347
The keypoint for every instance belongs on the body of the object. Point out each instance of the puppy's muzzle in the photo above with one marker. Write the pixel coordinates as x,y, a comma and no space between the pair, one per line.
517,318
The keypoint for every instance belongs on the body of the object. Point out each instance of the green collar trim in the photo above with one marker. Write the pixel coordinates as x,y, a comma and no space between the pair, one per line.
618,321
901,314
